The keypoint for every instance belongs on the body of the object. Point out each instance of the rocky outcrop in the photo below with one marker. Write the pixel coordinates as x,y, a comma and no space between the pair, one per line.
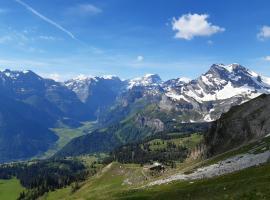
242,124
155,124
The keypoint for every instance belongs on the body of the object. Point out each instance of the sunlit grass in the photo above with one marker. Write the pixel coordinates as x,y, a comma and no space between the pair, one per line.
10,189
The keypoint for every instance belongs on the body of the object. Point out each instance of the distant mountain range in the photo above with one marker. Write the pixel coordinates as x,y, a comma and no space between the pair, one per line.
147,105
127,110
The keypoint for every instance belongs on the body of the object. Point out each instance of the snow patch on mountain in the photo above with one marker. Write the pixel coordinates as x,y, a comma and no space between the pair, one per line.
222,82
109,77
176,96
184,79
147,80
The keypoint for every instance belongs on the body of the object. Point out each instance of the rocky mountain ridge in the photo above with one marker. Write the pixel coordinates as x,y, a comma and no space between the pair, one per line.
137,108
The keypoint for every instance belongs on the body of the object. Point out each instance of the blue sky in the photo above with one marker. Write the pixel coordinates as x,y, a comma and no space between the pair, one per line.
128,38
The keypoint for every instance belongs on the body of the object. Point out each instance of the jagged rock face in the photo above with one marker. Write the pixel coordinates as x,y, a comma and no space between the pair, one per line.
30,106
149,80
216,91
154,124
85,87
199,100
97,93
45,94
240,125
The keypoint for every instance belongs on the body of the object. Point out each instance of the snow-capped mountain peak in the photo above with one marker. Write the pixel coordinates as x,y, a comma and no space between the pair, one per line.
14,75
146,80
201,99
82,79
109,77
222,83
84,86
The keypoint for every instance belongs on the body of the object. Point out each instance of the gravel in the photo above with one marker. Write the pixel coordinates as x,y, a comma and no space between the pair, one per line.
229,165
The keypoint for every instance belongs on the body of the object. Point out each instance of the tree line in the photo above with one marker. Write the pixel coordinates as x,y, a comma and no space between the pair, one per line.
43,176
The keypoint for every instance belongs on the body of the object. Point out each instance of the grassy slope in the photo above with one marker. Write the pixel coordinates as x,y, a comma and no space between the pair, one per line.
10,189
65,135
189,142
252,183
253,147
103,185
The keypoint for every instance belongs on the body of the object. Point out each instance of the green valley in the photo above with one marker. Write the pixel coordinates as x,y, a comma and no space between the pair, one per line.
65,135
10,189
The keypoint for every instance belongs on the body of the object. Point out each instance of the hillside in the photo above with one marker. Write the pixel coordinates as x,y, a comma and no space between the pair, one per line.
23,130
248,180
189,178
30,106
237,167
242,124
250,183
126,132
10,189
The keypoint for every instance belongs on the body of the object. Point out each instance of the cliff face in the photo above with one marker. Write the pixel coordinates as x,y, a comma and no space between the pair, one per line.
154,124
242,124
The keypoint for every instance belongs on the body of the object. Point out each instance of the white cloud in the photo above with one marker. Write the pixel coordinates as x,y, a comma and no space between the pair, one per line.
46,19
84,10
267,58
189,26
54,76
140,58
264,33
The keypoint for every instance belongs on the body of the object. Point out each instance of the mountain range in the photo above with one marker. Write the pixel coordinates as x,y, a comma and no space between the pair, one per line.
125,110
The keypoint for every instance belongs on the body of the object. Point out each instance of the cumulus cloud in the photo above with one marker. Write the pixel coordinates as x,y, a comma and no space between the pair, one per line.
84,10
140,58
189,26
264,33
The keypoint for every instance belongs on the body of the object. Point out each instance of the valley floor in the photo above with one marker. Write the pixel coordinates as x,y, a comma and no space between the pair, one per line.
10,189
